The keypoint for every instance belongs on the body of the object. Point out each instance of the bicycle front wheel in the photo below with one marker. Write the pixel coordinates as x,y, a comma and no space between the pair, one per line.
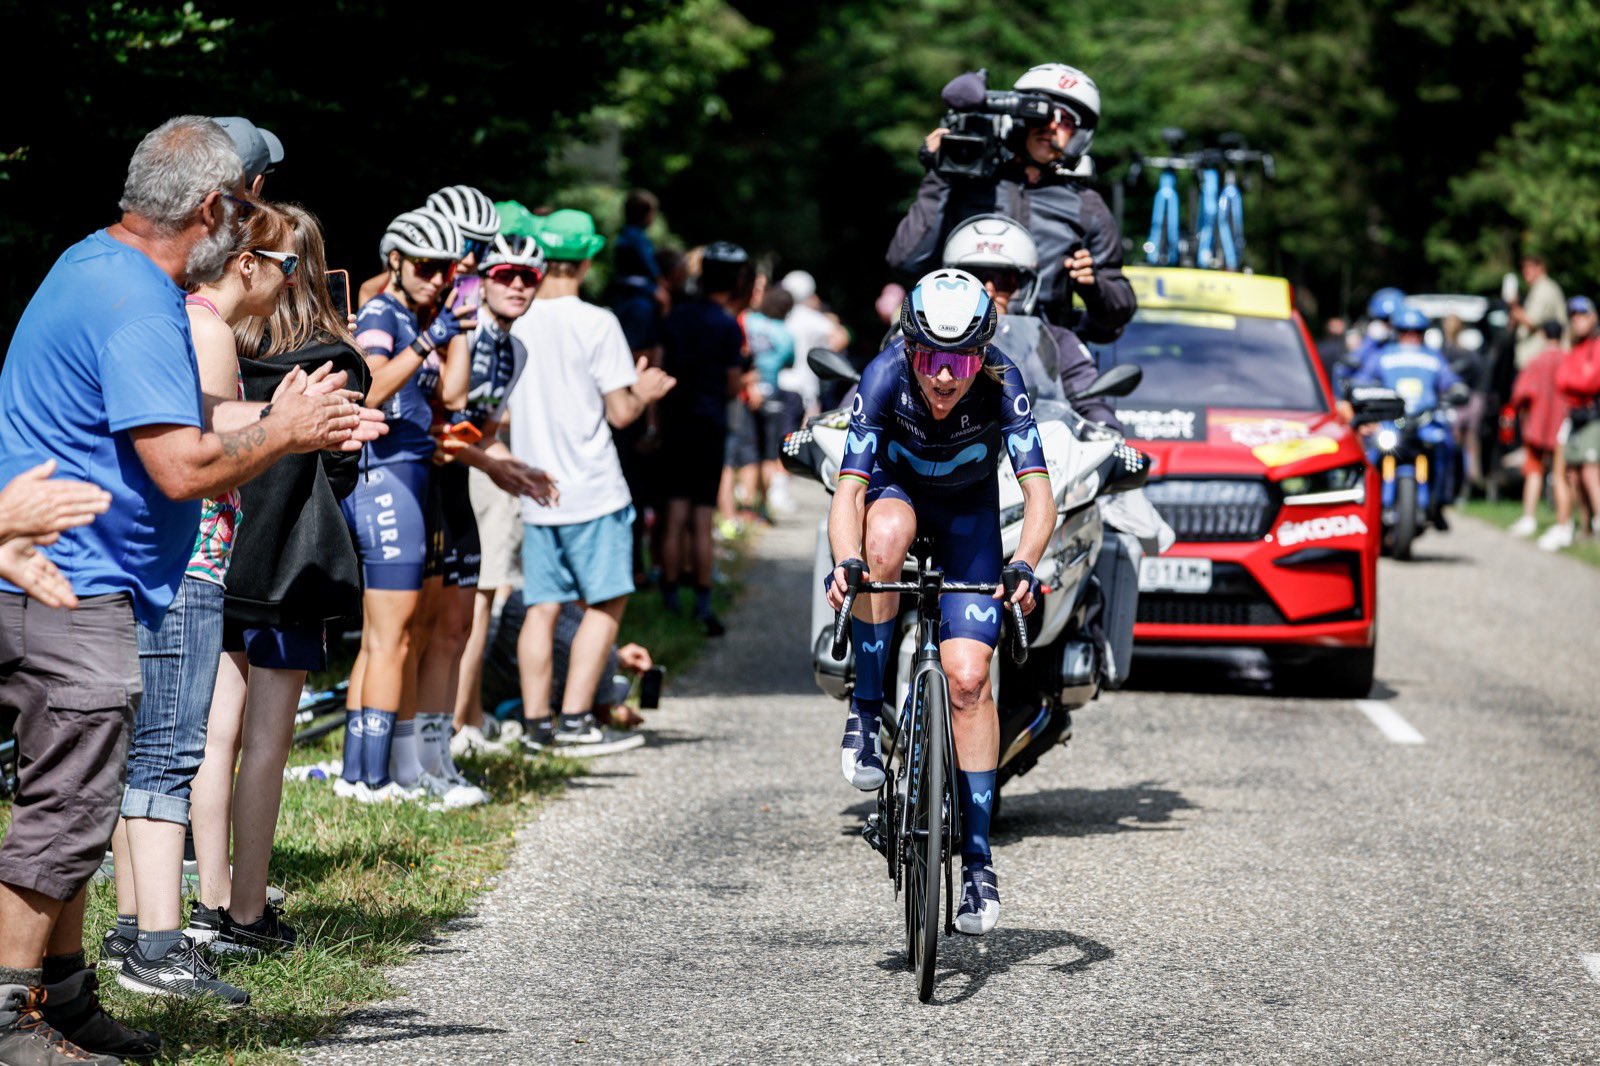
926,823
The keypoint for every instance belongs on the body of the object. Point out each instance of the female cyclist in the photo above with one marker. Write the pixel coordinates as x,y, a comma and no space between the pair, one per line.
474,215
404,331
927,429
513,268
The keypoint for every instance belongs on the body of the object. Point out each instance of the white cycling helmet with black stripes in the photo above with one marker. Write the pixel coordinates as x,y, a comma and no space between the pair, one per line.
469,209
422,234
987,243
1078,94
514,249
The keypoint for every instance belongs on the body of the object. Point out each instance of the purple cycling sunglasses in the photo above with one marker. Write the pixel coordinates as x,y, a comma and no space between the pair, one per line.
929,361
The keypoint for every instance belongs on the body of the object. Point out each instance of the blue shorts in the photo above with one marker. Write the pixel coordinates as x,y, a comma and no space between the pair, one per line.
388,513
297,647
589,561
965,528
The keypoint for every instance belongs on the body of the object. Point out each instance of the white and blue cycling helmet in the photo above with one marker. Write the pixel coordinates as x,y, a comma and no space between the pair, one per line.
1409,319
948,310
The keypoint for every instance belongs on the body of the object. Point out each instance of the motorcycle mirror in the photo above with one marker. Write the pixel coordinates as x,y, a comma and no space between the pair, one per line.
1118,381
830,365
1373,404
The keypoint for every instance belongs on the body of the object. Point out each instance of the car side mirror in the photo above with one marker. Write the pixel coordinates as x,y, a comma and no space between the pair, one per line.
1374,404
830,365
1118,381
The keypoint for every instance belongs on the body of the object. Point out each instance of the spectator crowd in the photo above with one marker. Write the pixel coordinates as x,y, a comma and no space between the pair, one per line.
213,461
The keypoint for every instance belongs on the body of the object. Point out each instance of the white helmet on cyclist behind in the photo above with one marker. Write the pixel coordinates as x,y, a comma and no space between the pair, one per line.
471,211
422,234
514,249
1076,91
995,242
948,310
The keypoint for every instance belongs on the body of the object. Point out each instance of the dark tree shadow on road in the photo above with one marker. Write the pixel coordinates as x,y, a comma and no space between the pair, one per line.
966,963
396,1024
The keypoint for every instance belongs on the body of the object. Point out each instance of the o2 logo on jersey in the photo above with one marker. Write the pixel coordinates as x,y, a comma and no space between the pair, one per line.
1021,405
857,405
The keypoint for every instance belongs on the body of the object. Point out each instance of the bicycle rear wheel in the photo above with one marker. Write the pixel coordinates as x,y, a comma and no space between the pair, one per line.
925,872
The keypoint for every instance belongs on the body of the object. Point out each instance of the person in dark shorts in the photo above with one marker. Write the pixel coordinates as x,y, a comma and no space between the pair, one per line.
704,350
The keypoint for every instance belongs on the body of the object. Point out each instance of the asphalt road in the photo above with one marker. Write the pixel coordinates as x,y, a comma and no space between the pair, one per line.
1208,871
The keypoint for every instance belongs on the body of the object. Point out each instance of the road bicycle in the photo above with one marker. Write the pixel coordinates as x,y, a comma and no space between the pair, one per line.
917,825
1220,238
1164,246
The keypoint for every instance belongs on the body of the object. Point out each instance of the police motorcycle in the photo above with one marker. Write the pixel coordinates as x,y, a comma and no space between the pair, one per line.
1069,658
1414,448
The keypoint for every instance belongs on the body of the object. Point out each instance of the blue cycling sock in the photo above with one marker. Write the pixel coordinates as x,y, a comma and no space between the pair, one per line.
702,600
975,791
379,729
872,659
353,737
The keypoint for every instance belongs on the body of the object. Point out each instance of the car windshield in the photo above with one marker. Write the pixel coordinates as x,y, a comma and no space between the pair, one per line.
1206,359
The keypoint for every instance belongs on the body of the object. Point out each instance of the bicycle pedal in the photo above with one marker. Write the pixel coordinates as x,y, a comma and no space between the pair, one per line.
872,833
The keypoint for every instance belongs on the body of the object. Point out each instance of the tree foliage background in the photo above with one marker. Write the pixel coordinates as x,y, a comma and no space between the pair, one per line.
1423,143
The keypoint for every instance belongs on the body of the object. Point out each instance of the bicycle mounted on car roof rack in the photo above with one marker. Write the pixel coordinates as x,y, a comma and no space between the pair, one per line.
1218,239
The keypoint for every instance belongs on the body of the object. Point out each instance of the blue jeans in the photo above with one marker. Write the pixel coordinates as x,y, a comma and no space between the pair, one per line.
179,665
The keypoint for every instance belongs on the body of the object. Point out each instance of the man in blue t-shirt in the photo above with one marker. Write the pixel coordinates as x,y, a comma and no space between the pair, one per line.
101,379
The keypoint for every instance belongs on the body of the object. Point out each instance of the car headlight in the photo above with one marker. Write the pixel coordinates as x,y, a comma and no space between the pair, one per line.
1342,484
1388,440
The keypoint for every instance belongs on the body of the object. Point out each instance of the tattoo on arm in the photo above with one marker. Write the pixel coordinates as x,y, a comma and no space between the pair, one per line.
240,444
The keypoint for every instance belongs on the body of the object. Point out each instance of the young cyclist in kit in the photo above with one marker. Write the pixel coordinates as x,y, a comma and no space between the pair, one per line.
927,429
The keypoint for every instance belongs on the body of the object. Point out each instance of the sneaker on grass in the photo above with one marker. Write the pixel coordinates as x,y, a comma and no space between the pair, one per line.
267,933
181,970
1525,526
204,923
114,947
27,1036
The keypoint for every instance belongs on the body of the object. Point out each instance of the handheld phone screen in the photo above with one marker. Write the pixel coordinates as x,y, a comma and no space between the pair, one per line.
339,292
468,293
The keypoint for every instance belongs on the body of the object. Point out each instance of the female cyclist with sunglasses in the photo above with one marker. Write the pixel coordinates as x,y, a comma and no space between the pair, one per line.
477,390
404,330
474,215
927,429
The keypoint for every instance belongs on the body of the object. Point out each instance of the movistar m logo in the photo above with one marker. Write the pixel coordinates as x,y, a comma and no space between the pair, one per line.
1021,442
983,797
975,453
854,442
873,648
955,284
986,614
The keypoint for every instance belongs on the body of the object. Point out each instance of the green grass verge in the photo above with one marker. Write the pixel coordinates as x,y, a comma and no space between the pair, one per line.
367,884
1502,513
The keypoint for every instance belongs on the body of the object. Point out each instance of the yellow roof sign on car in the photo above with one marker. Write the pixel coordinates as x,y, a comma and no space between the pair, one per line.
1256,295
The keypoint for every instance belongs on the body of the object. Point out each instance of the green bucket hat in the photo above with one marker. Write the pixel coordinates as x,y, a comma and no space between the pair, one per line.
569,234
516,220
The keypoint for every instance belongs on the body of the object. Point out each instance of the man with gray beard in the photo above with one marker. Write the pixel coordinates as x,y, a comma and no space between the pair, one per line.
101,378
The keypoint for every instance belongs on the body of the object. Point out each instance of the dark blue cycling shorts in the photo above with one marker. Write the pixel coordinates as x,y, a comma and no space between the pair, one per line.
388,512
965,527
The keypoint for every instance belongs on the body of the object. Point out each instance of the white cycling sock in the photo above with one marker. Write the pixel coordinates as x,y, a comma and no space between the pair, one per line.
433,733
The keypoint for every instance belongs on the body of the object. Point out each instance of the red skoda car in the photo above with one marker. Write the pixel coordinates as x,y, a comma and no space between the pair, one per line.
1276,509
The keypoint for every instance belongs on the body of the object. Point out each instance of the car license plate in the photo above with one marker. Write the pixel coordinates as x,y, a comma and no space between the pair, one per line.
1175,575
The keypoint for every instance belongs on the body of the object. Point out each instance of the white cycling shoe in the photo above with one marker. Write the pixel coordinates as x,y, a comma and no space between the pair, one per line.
861,755
980,901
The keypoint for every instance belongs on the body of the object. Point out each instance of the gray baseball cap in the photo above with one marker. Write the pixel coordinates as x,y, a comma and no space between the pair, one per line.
259,149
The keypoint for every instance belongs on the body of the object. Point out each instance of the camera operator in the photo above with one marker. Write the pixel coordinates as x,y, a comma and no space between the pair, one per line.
1017,154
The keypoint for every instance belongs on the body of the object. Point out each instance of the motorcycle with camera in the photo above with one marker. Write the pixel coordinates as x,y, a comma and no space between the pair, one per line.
1413,449
1071,658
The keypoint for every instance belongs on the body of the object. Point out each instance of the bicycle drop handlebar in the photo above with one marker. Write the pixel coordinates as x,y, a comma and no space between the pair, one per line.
854,586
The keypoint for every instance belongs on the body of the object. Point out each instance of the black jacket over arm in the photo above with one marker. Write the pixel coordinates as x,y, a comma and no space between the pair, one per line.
294,562
1058,212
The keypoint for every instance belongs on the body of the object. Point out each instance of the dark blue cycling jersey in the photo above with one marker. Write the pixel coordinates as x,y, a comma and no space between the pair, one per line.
385,327
892,428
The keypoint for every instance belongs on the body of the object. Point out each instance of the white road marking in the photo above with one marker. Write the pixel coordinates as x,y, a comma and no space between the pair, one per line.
1592,964
1389,722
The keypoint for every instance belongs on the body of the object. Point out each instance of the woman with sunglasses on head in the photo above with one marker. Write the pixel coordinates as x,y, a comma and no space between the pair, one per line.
179,660
294,570
476,391
404,331
934,413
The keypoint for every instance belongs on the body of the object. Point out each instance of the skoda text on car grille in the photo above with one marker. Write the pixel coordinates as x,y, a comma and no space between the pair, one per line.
1272,499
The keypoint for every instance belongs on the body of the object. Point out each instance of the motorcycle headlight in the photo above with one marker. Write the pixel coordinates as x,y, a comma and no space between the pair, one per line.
1388,440
1342,484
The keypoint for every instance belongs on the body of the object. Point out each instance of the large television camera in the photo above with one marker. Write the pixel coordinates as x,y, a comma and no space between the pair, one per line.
987,128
